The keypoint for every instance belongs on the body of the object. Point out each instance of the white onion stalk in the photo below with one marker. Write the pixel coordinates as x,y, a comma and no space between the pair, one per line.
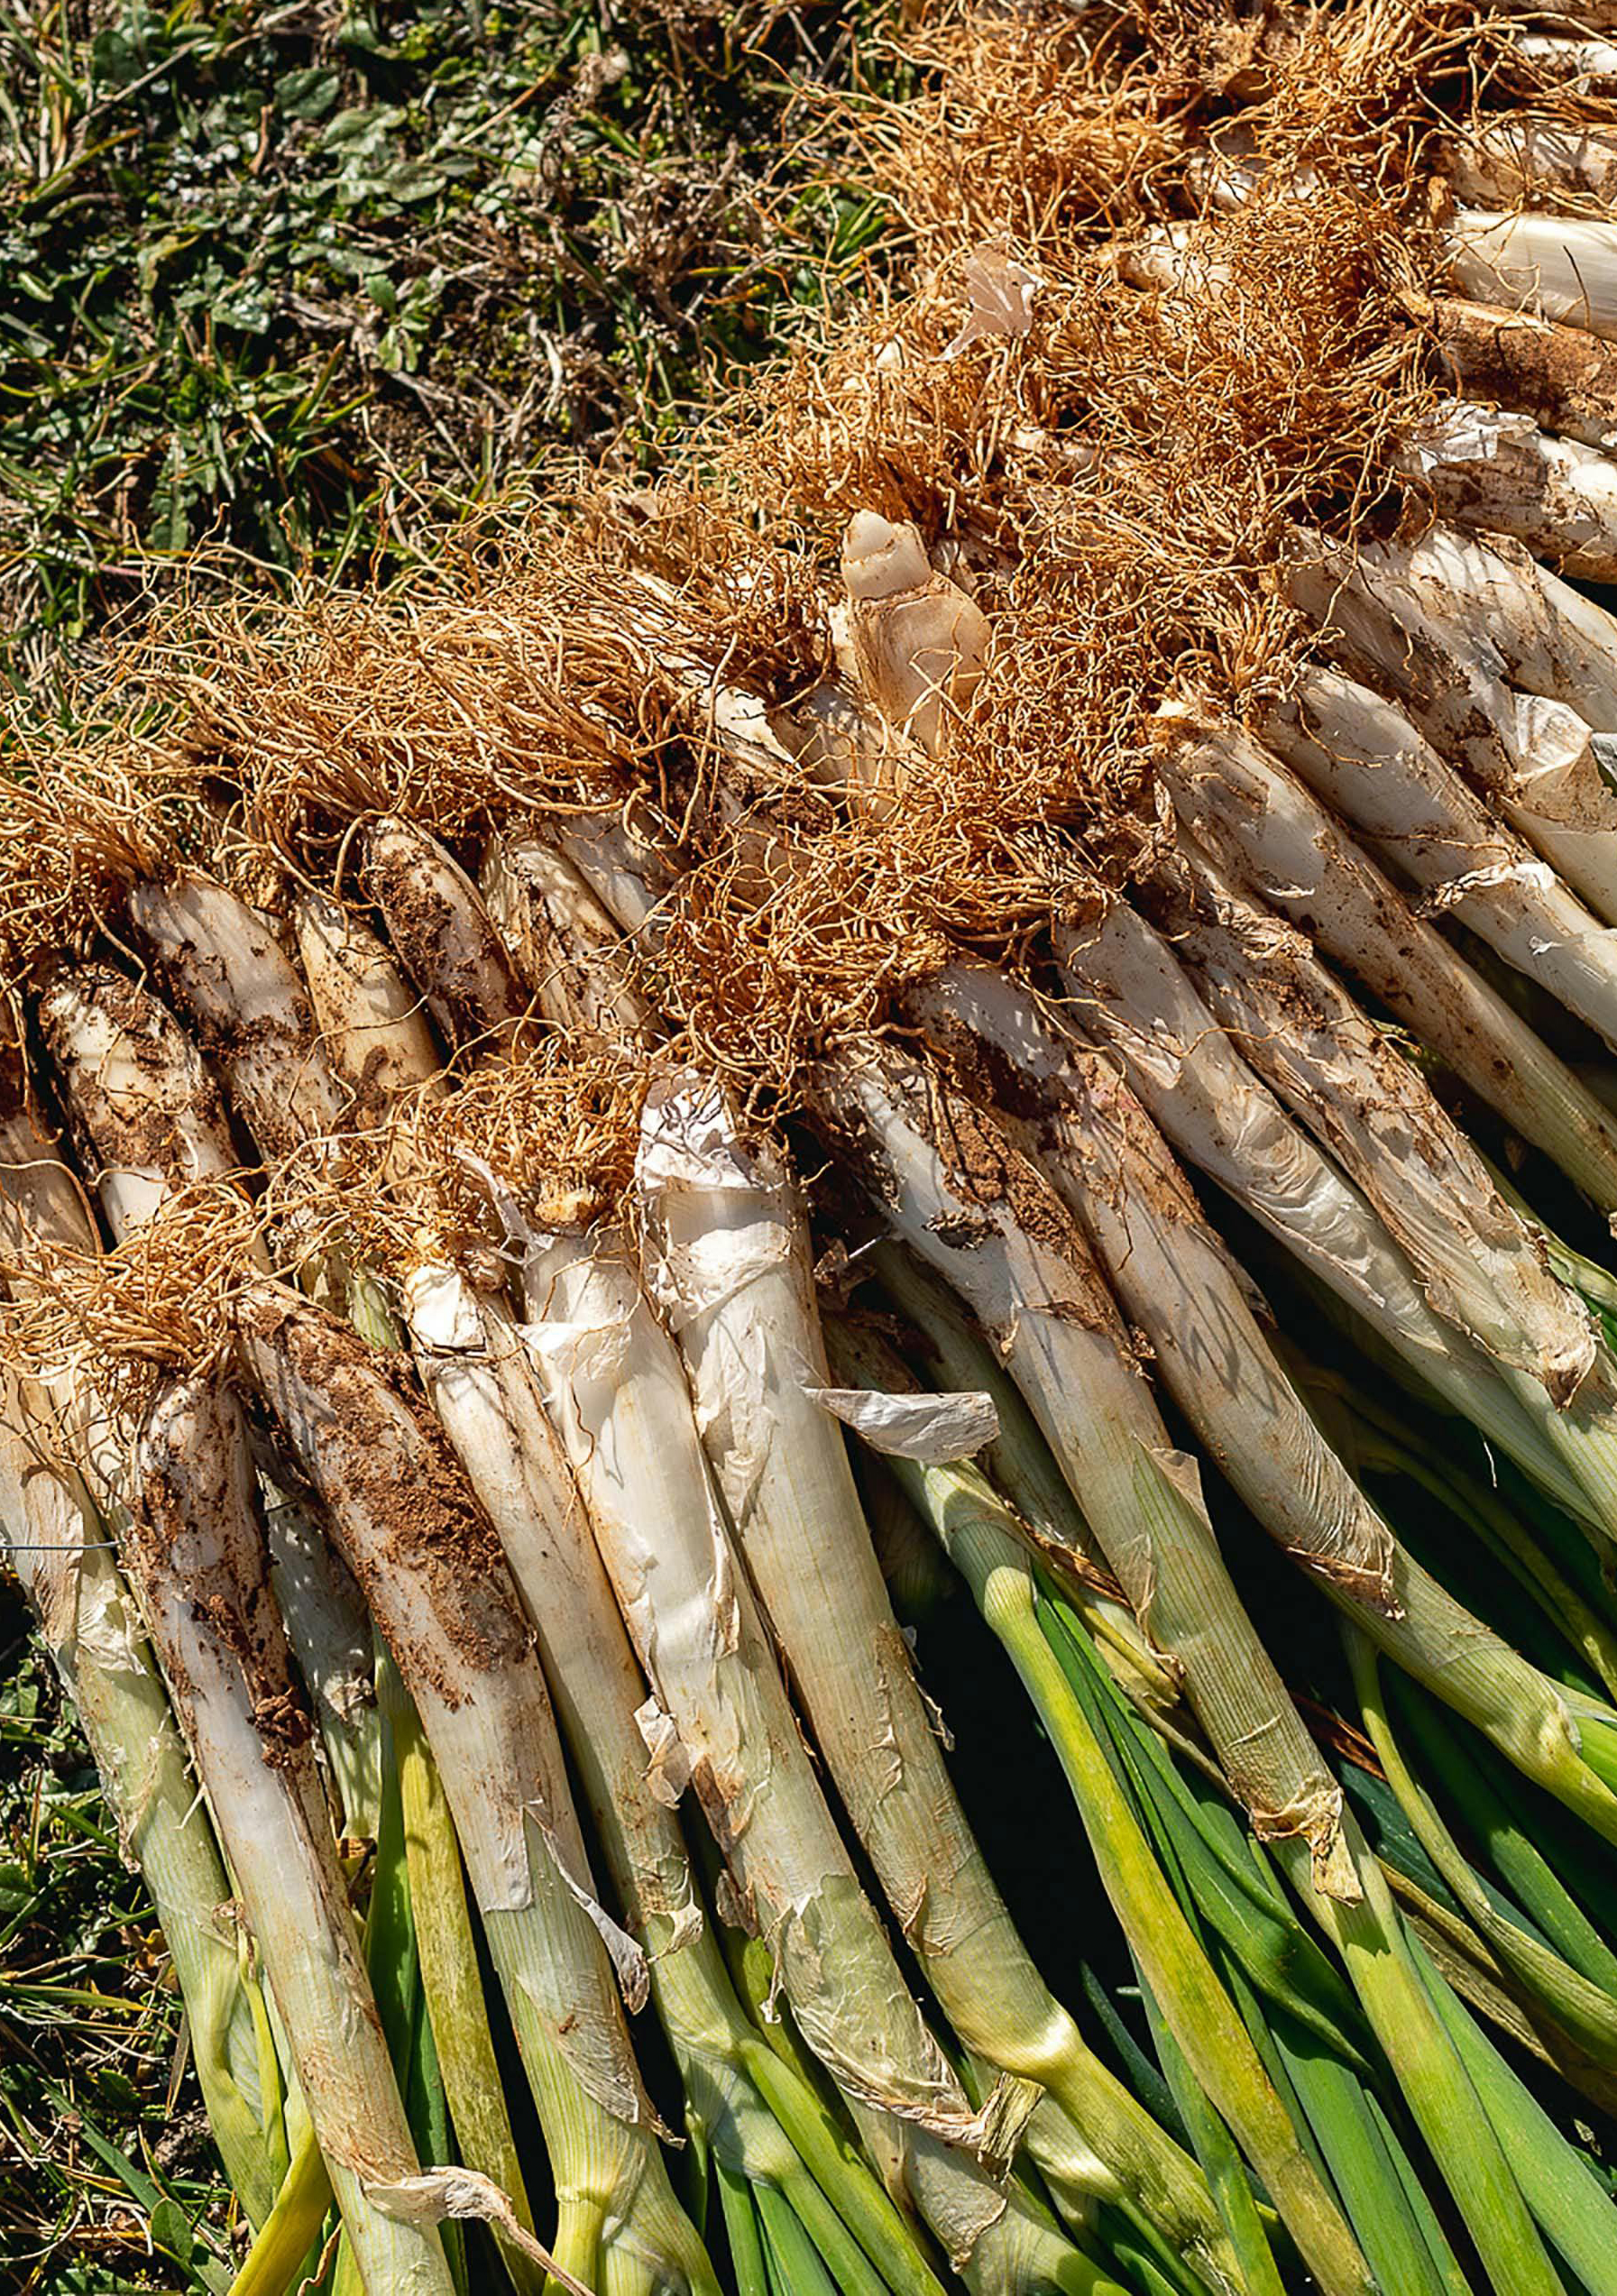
1272,836
45,1211
1563,267
476,1367
1498,606
969,1202
1564,379
1575,58
149,1125
1365,759
564,943
146,1115
371,1025
1532,161
247,1003
442,934
438,1587
731,1268
1178,1284
1379,1118
382,1047
1129,991
919,642
331,1637
58,1545
196,1550
41,1200
1536,758
617,1394
1497,471
630,866
243,996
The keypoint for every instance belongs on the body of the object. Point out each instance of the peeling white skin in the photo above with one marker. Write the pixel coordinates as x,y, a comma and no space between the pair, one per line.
234,982
565,944
1031,1277
728,1261
930,1428
1477,1264
1273,838
1129,992
616,1393
1562,266
198,1551
144,1108
1367,760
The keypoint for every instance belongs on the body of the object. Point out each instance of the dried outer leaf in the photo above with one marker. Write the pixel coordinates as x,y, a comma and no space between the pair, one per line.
1377,1115
999,298
1566,379
197,1549
246,1003
466,2195
441,933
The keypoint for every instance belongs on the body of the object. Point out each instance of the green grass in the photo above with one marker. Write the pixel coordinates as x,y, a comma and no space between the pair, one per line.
295,283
